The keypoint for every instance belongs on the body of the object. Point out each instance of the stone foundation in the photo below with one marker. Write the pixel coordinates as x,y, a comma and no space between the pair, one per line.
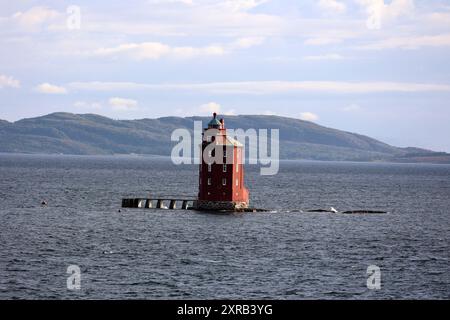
220,205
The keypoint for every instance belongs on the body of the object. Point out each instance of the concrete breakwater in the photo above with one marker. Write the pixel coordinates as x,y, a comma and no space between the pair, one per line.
184,203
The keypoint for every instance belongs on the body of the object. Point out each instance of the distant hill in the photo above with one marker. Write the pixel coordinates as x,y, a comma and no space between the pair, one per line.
91,134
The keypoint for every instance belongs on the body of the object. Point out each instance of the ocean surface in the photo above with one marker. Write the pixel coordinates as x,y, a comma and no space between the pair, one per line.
284,254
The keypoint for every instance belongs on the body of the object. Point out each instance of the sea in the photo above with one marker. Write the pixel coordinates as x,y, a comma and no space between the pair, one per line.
286,253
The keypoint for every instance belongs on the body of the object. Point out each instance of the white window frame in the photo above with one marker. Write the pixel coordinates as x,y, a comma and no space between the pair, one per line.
224,168
209,167
237,182
224,181
209,181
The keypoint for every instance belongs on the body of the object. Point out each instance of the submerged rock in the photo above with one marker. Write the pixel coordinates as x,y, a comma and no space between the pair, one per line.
364,212
331,210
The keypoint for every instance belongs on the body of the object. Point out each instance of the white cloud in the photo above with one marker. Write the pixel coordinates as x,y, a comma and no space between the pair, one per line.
146,50
35,17
190,52
241,5
156,50
437,19
108,86
331,56
332,6
351,108
321,41
122,104
210,107
380,13
185,2
410,43
309,116
248,42
50,89
7,81
269,87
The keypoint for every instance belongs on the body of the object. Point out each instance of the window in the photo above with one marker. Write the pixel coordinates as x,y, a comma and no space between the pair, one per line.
209,167
209,181
224,168
237,167
208,138
237,182
225,152
224,181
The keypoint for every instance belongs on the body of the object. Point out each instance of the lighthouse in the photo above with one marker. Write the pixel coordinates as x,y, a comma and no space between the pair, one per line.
221,170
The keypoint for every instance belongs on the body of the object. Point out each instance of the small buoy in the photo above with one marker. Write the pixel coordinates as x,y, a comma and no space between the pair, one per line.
44,202
119,210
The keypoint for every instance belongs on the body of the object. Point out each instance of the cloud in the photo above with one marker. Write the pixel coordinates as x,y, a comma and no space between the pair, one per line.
321,41
159,2
437,19
331,56
121,104
210,107
35,17
269,87
309,116
7,81
241,5
48,88
409,43
248,42
332,6
380,13
157,50
351,108
146,50
205,19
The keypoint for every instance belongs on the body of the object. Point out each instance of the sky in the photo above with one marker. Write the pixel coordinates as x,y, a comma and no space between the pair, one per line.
375,67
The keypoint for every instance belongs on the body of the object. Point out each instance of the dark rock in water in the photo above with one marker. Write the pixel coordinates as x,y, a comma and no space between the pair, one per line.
364,212
44,203
331,210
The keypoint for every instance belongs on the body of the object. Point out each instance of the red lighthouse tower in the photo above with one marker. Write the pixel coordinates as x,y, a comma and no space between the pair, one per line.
221,171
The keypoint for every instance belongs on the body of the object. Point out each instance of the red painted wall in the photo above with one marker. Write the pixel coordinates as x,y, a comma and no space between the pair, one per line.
234,172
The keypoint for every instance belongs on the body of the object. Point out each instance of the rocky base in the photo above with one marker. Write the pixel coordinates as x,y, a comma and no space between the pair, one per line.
220,205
